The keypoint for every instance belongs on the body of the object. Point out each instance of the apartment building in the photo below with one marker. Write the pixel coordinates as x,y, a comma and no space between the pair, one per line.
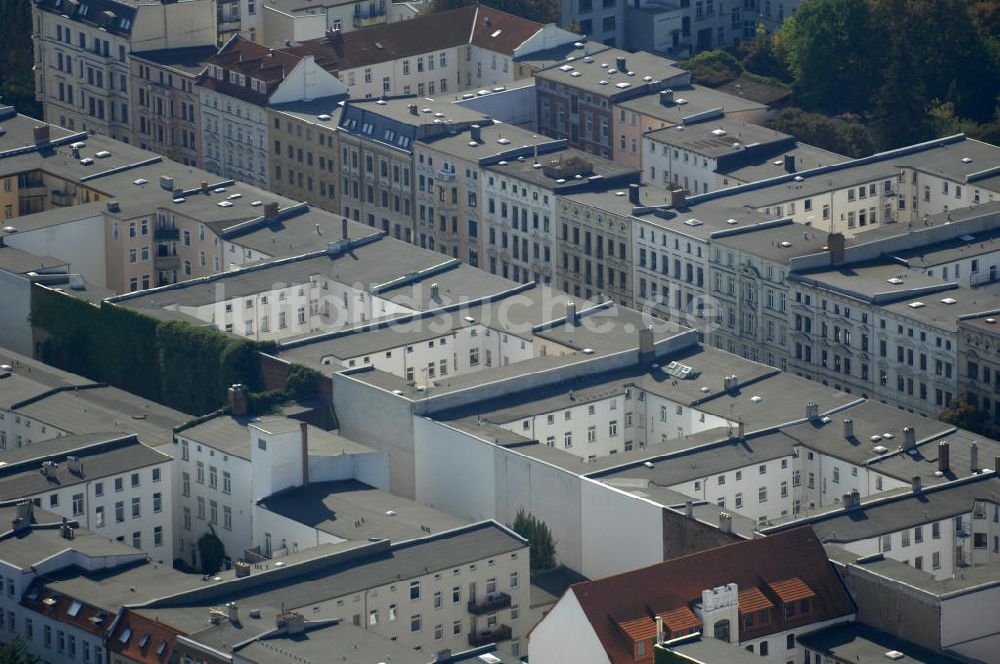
976,365
529,186
240,81
706,153
379,168
304,152
50,570
113,485
760,596
457,589
749,275
679,105
226,465
577,99
165,102
83,52
955,529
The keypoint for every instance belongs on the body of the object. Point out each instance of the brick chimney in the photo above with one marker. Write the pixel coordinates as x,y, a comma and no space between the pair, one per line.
238,405
271,211
304,429
944,456
835,244
41,134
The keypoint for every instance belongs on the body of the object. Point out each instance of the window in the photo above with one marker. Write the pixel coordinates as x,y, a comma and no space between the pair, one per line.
415,623
77,504
414,590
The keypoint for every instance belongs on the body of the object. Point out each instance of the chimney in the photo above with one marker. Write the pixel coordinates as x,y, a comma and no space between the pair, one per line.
852,499
242,568
909,438
412,108
996,466
917,488
114,206
944,456
271,211
848,428
689,509
443,655
75,151
234,613
166,183
974,458
678,198
812,410
23,519
477,134
238,406
646,351
74,465
667,97
659,630
66,530
435,291
292,622
304,429
570,314
741,431
633,194
726,522
204,187
41,133
835,245
789,161
620,63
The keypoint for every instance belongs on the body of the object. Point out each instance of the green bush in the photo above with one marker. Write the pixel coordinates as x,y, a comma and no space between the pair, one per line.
542,546
174,363
713,68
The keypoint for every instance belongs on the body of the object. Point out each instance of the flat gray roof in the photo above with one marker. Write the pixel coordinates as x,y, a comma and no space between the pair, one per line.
231,435
857,642
697,99
45,540
109,589
602,64
869,281
352,645
353,510
881,515
718,138
943,309
327,576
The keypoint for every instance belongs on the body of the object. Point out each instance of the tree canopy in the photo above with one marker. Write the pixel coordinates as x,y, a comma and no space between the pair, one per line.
542,546
17,80
965,414
211,552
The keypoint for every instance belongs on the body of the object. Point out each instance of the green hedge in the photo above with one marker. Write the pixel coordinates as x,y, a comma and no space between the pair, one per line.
174,363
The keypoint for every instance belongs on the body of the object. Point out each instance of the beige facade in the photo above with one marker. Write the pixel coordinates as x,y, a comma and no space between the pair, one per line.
165,102
595,249
304,164
82,61
979,364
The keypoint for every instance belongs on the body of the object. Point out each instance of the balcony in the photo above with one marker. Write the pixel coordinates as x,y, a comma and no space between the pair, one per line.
361,21
489,604
165,263
160,233
495,635
62,199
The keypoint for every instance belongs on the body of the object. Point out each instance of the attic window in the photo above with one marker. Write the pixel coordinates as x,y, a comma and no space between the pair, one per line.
125,635
49,601
496,34
160,648
144,640
74,609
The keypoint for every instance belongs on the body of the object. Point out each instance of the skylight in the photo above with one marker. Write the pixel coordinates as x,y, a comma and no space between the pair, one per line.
74,609
125,635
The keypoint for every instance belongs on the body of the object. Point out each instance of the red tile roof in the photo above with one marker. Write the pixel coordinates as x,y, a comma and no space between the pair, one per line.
147,640
680,619
752,599
791,590
68,610
638,629
675,584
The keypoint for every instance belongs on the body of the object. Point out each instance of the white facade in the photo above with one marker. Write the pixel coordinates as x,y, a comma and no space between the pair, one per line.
669,271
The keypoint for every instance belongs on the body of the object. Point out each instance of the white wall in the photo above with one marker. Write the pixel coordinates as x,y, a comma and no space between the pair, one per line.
79,242
611,517
550,642
15,303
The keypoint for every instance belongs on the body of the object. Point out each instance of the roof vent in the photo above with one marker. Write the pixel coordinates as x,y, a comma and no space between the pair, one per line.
916,305
965,160
949,300
895,281
732,222
225,204
990,321
785,244
895,654
718,132
692,222
140,182
323,116
86,161
103,154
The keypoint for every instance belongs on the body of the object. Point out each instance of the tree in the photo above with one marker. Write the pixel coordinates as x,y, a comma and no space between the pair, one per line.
574,26
831,54
713,68
964,413
765,55
16,651
841,136
542,546
899,116
17,79
212,552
